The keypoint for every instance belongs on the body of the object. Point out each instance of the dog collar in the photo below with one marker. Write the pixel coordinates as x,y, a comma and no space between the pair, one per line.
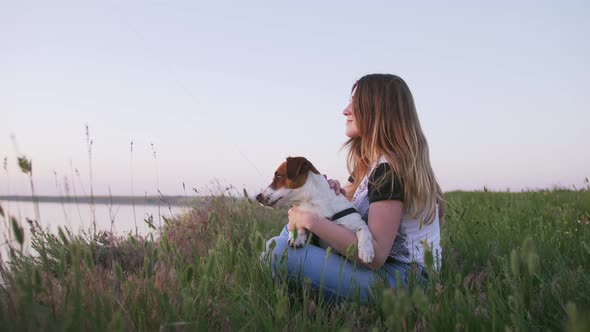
342,213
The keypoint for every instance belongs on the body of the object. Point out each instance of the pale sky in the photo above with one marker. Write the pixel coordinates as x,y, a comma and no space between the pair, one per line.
225,91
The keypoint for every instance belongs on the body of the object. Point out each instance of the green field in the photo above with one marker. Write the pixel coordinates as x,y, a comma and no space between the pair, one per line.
511,262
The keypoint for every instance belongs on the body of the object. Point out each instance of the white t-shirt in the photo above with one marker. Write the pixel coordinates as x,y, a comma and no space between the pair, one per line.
408,244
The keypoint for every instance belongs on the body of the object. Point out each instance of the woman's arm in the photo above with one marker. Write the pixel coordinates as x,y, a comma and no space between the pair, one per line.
384,221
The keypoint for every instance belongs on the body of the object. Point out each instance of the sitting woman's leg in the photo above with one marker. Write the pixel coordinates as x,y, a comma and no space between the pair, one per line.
336,277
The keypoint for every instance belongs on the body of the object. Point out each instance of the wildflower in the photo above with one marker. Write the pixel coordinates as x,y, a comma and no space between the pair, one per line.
18,231
26,166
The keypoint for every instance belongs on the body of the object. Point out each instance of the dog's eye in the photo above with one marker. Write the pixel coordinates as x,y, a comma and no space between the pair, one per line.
277,178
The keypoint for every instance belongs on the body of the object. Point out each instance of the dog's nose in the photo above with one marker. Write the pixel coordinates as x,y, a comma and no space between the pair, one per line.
259,198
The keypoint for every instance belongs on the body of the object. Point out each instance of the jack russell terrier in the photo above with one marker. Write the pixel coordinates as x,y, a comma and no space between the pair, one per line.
298,183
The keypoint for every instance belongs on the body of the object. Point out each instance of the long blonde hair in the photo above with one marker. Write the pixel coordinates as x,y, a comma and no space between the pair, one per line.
385,115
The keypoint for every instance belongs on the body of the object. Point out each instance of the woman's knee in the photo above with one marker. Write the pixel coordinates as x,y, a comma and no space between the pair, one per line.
275,249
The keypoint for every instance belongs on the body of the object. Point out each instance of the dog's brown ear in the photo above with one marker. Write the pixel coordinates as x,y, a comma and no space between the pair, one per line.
295,165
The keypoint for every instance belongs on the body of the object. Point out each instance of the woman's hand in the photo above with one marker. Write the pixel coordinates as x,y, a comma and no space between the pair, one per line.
299,218
334,184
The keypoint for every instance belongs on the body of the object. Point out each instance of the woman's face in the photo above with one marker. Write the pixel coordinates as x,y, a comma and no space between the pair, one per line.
351,128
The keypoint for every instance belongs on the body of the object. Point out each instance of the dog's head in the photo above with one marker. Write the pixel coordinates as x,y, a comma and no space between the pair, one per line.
287,182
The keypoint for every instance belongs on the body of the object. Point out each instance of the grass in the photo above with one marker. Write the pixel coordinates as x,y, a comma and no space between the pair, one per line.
511,261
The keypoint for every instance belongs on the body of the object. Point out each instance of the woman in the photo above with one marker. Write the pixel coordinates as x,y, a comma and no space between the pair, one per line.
392,185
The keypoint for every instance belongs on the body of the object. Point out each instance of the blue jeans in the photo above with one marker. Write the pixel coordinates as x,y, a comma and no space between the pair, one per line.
336,277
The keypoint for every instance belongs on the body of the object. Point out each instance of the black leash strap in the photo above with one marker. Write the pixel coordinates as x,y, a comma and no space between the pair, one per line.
342,214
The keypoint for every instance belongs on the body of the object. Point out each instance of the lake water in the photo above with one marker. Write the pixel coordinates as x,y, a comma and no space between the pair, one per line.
121,219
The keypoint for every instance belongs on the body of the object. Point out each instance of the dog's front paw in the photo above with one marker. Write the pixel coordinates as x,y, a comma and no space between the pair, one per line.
297,242
291,242
300,241
365,245
366,252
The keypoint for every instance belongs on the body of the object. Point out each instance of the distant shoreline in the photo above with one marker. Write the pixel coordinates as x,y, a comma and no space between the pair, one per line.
108,200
